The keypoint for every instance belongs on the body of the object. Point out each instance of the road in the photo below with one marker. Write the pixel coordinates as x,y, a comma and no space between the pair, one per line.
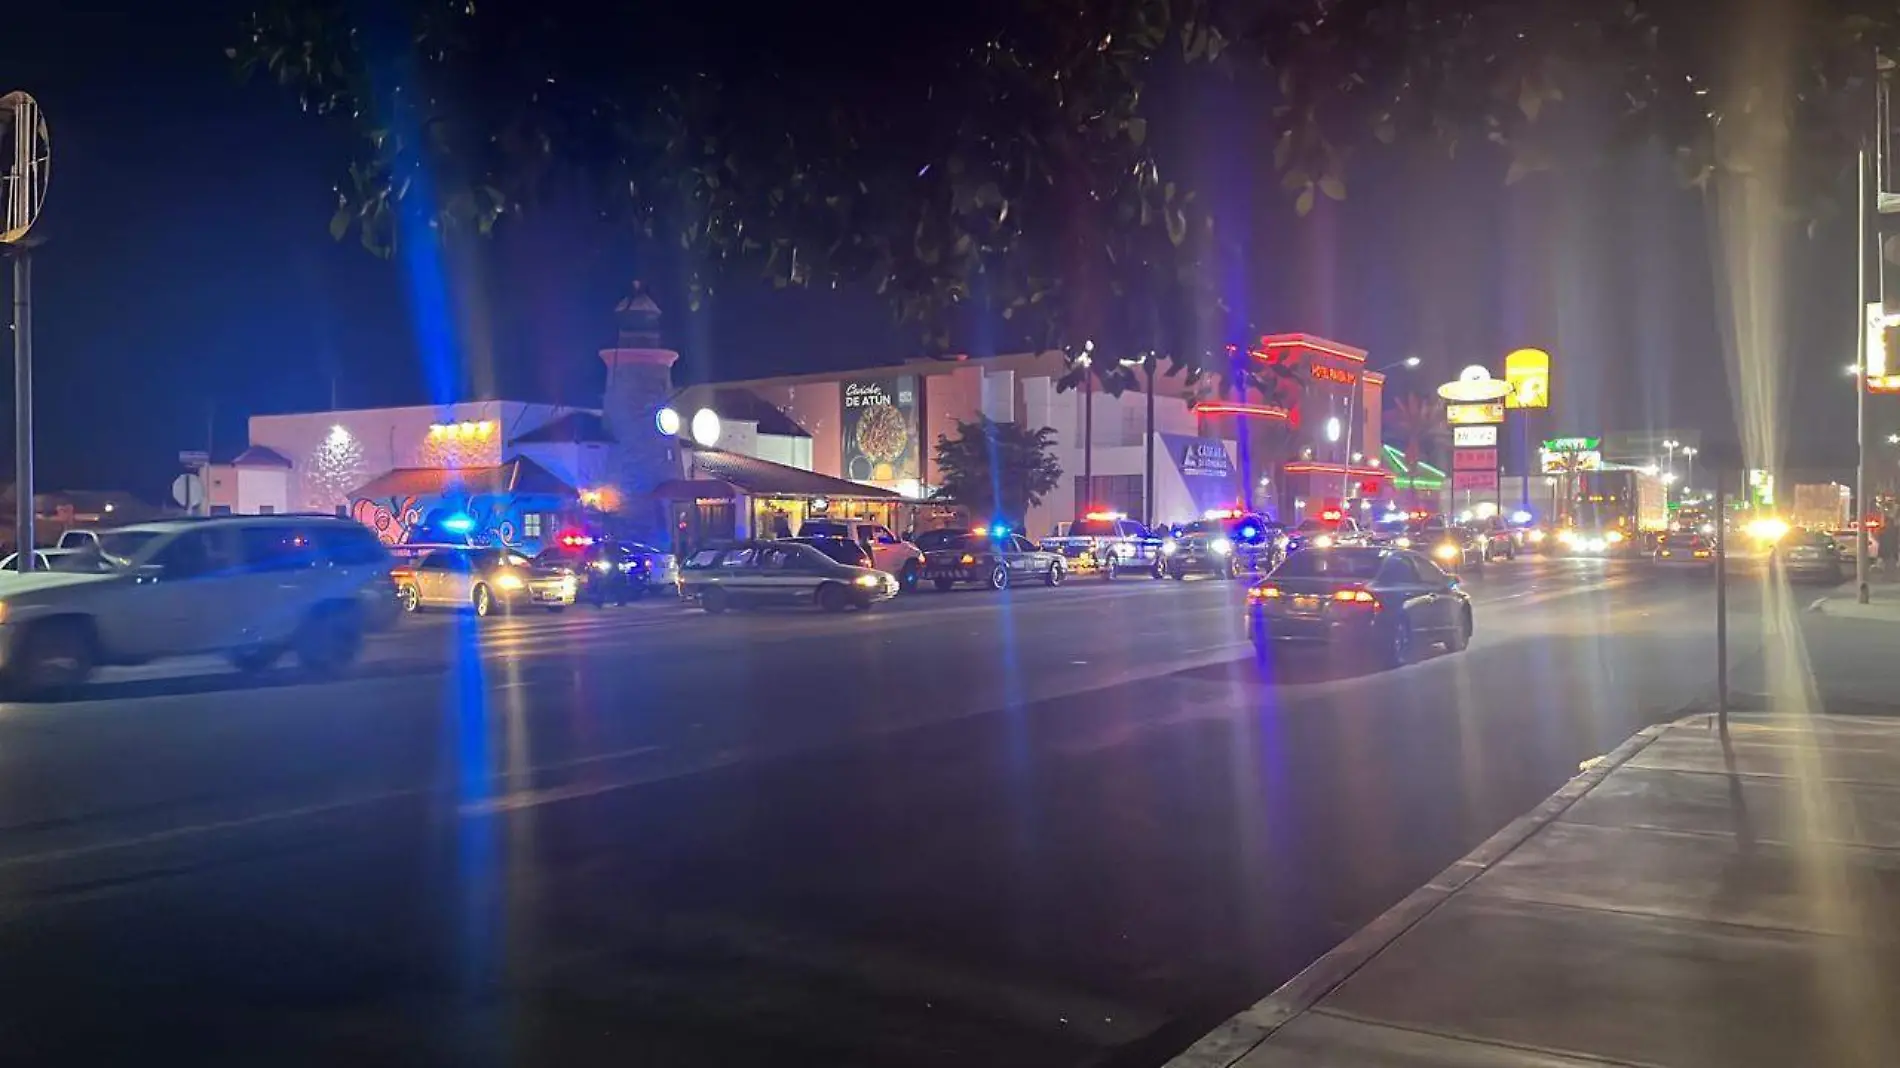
1050,827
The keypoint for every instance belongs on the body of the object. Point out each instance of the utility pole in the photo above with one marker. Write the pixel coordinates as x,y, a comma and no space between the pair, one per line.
28,168
1087,360
1148,460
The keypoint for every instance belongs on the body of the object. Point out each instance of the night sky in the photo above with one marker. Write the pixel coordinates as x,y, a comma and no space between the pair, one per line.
188,280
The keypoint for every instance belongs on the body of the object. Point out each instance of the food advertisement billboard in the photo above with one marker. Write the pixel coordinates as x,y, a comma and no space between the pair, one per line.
880,423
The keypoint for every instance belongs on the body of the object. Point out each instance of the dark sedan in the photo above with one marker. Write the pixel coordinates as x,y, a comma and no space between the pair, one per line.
991,558
1384,601
1224,548
605,571
1811,556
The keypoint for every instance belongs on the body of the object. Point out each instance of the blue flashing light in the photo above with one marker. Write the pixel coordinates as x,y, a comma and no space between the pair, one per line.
999,531
459,524
1250,532
1520,517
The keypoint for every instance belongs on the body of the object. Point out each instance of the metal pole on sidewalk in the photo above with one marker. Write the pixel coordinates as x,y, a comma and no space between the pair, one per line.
1860,389
23,406
1721,599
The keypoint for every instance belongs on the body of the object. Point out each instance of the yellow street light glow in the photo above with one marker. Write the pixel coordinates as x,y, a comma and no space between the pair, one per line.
1768,528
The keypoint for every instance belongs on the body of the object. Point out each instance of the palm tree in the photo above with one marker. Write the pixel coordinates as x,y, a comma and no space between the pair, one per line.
1419,423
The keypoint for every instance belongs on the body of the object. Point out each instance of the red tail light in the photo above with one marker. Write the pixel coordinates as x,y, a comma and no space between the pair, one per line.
1263,593
397,574
1354,597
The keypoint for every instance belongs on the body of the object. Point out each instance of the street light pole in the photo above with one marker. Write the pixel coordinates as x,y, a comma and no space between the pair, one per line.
1862,593
1358,390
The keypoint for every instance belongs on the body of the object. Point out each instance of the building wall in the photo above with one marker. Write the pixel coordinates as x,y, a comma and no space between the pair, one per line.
261,489
583,465
334,452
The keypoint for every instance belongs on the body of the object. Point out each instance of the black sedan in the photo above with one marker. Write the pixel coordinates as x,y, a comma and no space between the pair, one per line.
992,559
1811,556
606,572
1384,601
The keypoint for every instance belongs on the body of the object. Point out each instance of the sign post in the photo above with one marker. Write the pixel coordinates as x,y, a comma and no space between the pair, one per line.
1475,408
24,179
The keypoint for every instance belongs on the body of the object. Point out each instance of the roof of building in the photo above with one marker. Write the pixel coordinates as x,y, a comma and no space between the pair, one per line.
519,475
576,427
742,405
763,478
261,456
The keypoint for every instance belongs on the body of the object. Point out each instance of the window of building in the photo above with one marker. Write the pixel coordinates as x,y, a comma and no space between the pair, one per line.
1111,493
266,509
531,525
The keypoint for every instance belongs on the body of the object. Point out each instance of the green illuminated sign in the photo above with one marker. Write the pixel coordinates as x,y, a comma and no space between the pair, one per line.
1572,444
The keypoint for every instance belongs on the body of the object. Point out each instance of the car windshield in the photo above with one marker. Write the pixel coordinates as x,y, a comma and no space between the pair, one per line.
1335,564
819,528
123,546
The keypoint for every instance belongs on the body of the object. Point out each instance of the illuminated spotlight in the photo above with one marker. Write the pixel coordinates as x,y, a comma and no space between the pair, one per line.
667,421
1332,429
705,428
339,434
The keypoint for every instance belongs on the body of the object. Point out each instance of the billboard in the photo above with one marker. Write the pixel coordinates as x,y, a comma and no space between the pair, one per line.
1474,459
1474,437
1474,480
1478,413
1568,460
880,425
1527,372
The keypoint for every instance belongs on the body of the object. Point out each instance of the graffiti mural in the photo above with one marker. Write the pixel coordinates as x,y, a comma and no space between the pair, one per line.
391,518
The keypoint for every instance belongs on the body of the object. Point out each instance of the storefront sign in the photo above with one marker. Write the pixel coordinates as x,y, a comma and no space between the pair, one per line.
1327,373
1527,371
1475,386
1474,437
1474,480
1573,444
1206,459
1560,463
1474,459
881,440
1468,414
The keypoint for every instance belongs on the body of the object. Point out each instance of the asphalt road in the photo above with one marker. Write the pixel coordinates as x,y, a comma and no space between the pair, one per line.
1049,827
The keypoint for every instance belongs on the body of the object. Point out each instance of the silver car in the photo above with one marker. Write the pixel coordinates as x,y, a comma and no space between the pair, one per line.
760,574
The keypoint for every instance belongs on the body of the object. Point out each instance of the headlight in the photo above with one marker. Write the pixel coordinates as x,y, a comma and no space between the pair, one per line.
1324,541
603,565
509,581
1536,536
1447,551
1567,537
1170,547
1769,530
1220,546
1613,537
1403,542
1123,549
1596,545
868,580
567,584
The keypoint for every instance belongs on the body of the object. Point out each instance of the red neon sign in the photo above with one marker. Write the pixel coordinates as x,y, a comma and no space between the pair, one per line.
1309,467
1274,343
1262,411
1328,373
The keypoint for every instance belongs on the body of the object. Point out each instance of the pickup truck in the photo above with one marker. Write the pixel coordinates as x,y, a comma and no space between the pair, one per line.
1109,544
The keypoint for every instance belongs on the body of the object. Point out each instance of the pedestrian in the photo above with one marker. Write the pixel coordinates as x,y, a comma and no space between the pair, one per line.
1888,540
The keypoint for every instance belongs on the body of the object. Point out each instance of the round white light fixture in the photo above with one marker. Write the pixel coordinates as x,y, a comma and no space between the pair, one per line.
706,427
1332,429
667,421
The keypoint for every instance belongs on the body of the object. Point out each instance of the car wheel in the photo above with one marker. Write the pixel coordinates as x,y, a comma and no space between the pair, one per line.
1178,573
483,600
55,656
556,609
832,598
252,659
999,577
1158,573
1055,576
943,585
330,638
409,598
907,579
1461,634
1398,643
715,600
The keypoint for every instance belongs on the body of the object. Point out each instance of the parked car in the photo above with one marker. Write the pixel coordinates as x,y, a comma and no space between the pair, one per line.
1225,548
889,553
1811,556
81,560
488,581
249,588
761,574
993,558
1108,543
604,572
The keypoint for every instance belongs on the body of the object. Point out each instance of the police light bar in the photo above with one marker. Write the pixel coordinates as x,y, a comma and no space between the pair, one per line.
1221,513
1106,516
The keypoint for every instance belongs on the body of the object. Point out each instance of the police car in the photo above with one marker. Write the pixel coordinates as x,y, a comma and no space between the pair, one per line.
1109,544
1225,543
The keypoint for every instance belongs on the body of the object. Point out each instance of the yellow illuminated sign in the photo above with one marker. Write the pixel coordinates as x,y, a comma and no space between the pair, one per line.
1881,377
1474,414
1528,373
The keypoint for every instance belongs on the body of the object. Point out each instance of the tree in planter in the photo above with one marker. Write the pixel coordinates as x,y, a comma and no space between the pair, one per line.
998,470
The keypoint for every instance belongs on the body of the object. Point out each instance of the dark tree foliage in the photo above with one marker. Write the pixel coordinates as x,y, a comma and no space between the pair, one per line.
998,470
1000,160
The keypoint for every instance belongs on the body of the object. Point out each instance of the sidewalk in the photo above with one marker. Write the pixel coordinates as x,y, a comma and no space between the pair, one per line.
1883,601
1676,906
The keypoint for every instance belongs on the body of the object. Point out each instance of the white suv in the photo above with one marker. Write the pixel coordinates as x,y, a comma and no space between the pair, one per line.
248,587
889,553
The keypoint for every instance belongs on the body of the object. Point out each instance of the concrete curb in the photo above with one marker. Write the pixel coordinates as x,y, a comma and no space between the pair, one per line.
1227,1044
1848,608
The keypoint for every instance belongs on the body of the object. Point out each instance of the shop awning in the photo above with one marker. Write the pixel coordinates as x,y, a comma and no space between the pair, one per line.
753,477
